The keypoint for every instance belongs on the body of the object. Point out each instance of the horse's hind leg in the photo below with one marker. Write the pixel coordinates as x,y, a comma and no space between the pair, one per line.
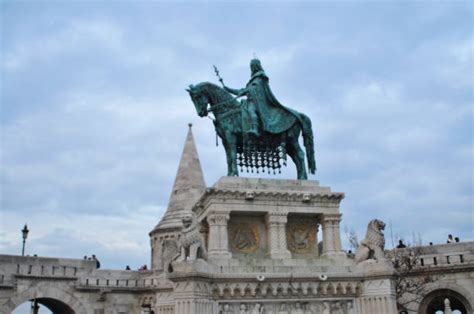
297,155
229,165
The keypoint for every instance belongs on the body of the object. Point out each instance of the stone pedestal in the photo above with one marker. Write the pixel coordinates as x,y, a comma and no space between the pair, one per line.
218,236
378,297
268,204
192,294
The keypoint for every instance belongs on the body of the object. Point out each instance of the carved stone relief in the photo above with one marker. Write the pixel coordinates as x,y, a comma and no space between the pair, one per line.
244,237
301,237
288,307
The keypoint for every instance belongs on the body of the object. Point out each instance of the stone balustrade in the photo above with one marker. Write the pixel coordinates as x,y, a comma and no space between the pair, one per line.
445,255
117,282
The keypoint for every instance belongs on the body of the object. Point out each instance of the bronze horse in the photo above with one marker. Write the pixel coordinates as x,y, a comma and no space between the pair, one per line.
228,124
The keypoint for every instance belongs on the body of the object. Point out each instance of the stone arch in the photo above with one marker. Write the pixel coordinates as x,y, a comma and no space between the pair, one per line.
434,301
55,306
52,295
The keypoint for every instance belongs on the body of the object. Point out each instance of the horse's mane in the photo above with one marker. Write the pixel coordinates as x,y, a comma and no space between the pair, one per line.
217,93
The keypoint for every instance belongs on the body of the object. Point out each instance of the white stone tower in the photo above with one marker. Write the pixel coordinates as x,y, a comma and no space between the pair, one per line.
188,187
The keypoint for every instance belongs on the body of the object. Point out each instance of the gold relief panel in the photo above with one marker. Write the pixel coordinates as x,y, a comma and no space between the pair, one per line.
244,237
301,237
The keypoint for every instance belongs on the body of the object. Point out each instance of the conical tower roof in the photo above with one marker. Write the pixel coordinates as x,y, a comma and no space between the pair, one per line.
188,186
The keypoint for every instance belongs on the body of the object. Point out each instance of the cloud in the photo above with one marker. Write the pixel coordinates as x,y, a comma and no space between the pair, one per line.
116,240
74,37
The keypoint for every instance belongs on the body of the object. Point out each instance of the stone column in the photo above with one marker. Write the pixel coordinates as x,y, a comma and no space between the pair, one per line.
316,241
337,234
276,226
331,235
218,239
447,307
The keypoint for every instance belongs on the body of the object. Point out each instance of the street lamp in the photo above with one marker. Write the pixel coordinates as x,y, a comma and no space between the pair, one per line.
34,307
24,232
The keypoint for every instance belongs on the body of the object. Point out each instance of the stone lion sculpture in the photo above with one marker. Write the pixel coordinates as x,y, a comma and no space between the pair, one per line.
188,247
191,242
371,248
170,253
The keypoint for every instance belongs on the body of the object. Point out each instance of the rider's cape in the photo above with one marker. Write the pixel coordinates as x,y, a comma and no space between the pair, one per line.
275,117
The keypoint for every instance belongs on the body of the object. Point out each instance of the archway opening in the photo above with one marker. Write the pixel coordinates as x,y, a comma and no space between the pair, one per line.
43,306
434,302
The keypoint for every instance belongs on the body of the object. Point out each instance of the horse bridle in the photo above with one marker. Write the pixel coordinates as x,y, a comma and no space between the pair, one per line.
217,106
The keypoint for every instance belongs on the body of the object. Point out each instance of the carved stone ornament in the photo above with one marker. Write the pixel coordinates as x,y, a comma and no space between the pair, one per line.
249,196
245,237
301,238
289,307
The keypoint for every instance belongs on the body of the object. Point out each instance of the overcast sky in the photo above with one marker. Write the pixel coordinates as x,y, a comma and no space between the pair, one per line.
94,112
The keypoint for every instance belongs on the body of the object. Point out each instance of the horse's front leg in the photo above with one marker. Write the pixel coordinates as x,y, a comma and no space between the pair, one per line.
232,154
229,159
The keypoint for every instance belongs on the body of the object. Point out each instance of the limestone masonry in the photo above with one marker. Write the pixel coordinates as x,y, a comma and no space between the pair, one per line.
245,245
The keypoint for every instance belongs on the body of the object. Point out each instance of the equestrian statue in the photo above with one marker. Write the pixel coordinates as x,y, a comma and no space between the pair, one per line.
258,131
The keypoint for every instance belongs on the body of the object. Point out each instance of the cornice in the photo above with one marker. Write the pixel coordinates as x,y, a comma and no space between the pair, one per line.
310,199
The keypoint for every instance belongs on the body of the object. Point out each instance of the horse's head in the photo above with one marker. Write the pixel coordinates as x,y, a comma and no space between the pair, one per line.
199,98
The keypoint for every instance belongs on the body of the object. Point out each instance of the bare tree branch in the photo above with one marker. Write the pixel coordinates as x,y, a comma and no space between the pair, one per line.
410,277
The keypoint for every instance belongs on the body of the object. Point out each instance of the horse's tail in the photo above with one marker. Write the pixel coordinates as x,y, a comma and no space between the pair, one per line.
308,142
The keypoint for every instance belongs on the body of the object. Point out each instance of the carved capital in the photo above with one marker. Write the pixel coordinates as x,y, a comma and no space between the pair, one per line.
277,217
334,219
219,219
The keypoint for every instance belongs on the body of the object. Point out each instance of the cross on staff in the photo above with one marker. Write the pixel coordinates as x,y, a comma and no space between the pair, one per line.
217,73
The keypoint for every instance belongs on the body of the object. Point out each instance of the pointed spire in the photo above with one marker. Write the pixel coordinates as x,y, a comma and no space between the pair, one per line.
188,186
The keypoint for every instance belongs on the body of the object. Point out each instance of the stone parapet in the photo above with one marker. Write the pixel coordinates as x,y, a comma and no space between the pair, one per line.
12,266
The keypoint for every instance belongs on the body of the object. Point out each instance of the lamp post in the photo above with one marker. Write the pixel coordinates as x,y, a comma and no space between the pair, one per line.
34,307
24,232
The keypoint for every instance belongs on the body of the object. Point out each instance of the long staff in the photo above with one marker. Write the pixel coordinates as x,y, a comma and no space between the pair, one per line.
217,73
